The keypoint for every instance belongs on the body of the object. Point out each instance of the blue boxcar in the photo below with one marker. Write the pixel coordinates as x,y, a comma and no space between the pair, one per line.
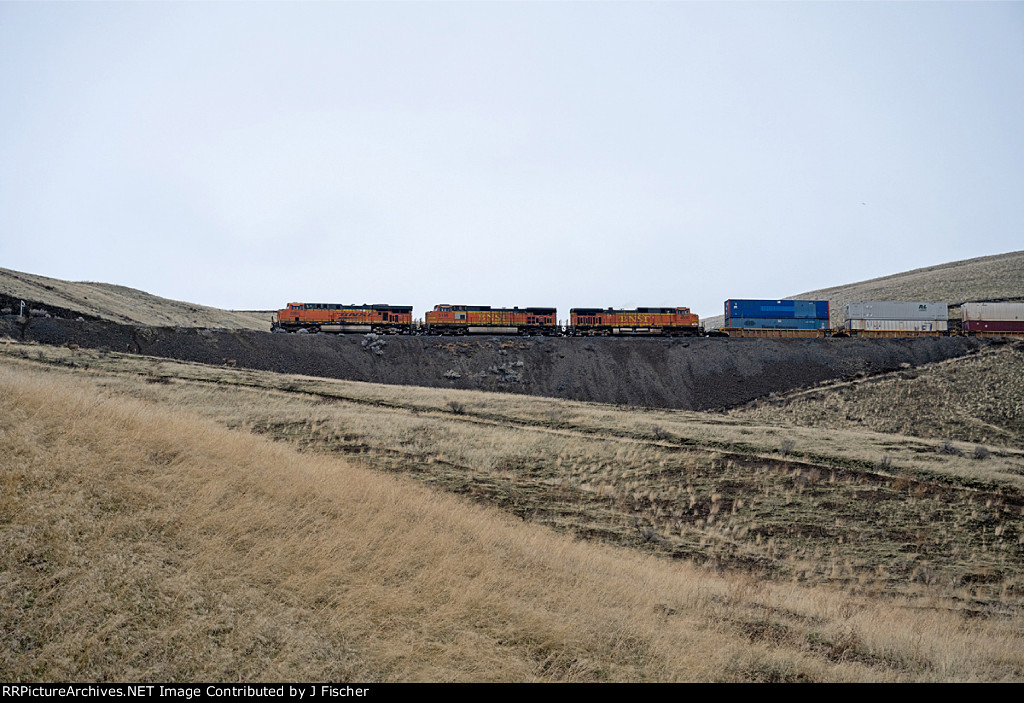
778,309
775,323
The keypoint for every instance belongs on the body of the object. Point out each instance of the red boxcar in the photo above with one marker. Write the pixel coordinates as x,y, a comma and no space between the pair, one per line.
334,317
483,319
665,321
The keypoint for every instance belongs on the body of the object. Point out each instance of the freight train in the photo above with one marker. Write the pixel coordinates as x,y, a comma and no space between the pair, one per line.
743,318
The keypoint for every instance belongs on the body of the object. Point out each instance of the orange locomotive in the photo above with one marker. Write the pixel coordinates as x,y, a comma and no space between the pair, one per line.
333,317
483,319
642,321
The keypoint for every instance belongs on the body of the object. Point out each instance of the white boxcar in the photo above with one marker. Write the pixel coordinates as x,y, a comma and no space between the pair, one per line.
993,312
896,310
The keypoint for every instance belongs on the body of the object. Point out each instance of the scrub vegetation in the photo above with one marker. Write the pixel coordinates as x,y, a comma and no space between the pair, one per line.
977,399
168,520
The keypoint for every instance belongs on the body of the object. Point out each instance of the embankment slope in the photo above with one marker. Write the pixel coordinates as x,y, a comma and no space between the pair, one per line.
693,374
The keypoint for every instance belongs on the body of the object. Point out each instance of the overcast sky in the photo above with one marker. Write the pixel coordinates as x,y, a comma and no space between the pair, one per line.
246,155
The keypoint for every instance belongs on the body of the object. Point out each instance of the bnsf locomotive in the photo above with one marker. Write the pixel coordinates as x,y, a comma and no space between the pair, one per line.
332,317
668,321
483,319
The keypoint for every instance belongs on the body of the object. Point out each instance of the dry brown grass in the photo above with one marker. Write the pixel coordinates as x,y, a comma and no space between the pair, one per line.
123,304
141,542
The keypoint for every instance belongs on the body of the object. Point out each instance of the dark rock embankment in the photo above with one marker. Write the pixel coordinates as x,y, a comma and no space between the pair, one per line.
692,374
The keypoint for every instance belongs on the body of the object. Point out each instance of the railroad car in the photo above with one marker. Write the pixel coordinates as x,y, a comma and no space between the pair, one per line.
890,318
483,319
334,317
988,319
776,318
777,309
641,321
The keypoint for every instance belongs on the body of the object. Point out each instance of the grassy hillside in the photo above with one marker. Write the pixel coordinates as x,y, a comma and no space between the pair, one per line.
119,303
975,399
798,553
985,278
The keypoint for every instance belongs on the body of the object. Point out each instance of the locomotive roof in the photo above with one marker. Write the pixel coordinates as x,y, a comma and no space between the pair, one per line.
598,311
353,306
535,311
